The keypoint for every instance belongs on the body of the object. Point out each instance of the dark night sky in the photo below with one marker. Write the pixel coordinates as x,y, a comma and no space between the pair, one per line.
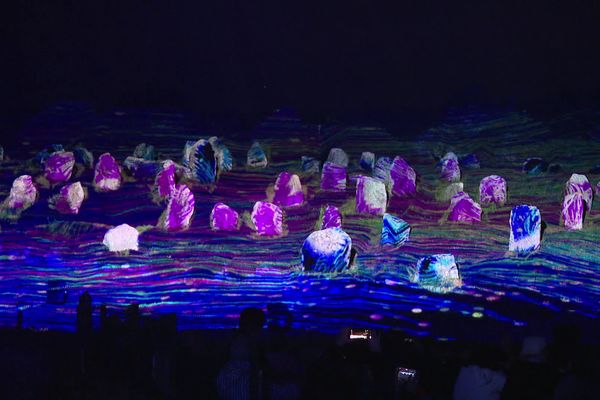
325,58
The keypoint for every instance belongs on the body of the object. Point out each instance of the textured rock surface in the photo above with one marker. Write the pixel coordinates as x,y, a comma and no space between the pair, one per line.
573,211
121,238
450,170
140,168
288,190
449,190
367,161
578,183
310,165
382,169
179,211
83,157
256,157
224,218
200,158
164,183
492,190
59,166
69,199
332,218
403,178
437,273
267,219
107,175
525,229
23,194
371,196
145,152
327,250
222,154
333,177
464,209
337,156
395,231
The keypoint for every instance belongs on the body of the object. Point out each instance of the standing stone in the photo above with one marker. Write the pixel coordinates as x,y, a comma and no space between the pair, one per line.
200,158
83,157
288,190
59,166
107,175
338,157
145,152
310,165
450,190
403,178
579,184
222,154
437,273
332,218
492,190
224,218
525,229
121,238
371,196
464,209
573,210
164,183
333,177
382,169
470,161
450,170
267,219
140,168
327,250
23,194
256,156
448,156
395,231
180,209
367,161
69,200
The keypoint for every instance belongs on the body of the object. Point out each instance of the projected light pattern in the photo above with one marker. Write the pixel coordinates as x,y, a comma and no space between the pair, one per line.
208,276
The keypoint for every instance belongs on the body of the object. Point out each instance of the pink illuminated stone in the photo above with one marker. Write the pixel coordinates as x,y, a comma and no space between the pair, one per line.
371,196
59,166
464,209
332,218
288,190
164,184
403,178
179,211
578,183
224,218
107,175
23,193
333,177
450,170
573,210
492,190
69,200
267,219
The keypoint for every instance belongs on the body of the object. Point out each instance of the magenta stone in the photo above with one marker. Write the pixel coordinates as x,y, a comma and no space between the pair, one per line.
579,184
69,200
179,211
573,210
288,190
107,175
492,189
23,194
333,177
267,219
403,177
332,218
371,196
450,170
464,209
224,218
59,166
164,184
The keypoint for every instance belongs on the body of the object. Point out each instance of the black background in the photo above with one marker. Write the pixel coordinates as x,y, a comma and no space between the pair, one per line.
355,59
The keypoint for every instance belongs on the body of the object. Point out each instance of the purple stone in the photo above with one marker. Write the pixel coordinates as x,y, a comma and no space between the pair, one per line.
331,218
573,210
107,175
579,184
267,219
450,170
492,189
23,193
371,196
179,211
224,218
464,209
59,166
403,177
288,190
69,200
164,184
333,177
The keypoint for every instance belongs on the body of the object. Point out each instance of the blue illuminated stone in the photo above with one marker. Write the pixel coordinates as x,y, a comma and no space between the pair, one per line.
437,273
145,152
199,157
525,229
395,231
83,157
470,161
327,250
310,165
367,161
256,156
